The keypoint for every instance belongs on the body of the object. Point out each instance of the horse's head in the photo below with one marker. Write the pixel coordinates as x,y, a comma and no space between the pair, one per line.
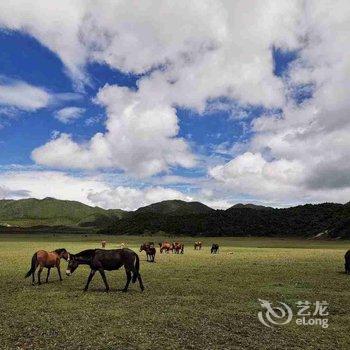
72,264
142,247
62,253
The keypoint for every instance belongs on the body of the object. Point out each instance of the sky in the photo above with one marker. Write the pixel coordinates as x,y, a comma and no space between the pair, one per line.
121,104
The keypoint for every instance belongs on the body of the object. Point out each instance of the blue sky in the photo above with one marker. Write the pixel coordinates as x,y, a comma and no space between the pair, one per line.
122,111
24,58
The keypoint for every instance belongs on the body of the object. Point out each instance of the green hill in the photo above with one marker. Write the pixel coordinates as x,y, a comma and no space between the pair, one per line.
49,211
175,207
250,206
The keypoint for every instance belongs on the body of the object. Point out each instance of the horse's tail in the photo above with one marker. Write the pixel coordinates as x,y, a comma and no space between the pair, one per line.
32,267
136,269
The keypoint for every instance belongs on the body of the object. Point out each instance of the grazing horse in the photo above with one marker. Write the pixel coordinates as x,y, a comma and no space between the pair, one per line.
214,248
150,251
46,259
102,259
197,245
178,247
103,244
165,246
347,262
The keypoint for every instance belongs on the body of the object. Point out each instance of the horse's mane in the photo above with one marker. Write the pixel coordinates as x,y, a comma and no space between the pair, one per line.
60,250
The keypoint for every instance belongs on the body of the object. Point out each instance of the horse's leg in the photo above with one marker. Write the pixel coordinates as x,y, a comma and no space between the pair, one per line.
59,272
48,274
39,273
92,273
102,272
128,279
33,274
140,282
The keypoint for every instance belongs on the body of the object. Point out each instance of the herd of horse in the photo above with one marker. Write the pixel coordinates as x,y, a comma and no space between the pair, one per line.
112,259
103,259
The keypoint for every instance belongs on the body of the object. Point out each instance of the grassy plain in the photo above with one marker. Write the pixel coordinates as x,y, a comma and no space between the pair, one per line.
191,301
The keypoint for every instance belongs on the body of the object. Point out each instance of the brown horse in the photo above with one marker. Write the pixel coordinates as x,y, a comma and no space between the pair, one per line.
178,247
150,251
197,245
165,246
46,259
103,244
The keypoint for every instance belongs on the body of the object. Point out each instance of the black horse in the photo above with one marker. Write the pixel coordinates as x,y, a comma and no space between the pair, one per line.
102,259
347,262
150,251
214,248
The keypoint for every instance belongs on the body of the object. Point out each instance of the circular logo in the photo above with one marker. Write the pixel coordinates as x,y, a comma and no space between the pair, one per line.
274,315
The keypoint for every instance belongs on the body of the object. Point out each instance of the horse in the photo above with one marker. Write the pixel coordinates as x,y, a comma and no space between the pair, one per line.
197,245
46,259
150,251
347,262
103,244
214,248
103,259
165,246
178,247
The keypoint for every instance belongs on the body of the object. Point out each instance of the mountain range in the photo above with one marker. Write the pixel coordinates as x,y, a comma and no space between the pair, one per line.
178,217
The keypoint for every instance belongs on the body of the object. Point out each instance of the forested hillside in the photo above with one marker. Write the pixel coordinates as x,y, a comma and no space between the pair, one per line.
306,220
181,218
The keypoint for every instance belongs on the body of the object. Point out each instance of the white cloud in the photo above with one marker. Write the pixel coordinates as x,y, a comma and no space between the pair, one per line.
24,96
7,193
303,155
92,190
69,114
129,198
140,138
203,53
198,51
30,183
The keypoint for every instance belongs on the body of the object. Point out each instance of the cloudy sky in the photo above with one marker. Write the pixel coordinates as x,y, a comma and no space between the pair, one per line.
124,103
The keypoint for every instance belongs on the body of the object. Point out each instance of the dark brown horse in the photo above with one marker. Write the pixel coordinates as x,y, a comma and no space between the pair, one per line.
197,245
178,247
103,259
46,259
165,246
347,262
214,248
150,251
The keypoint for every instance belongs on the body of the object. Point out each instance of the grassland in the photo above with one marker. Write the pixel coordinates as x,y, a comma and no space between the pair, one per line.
191,301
